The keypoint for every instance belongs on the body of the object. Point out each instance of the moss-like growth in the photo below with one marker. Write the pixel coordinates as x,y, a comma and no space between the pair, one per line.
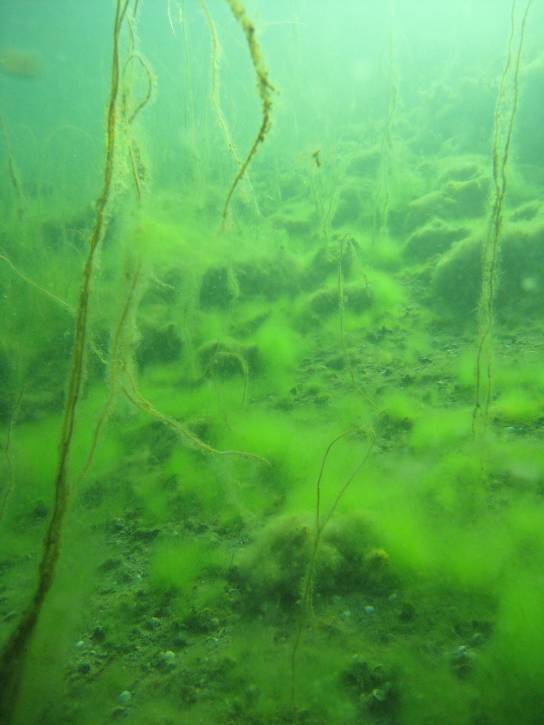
434,238
271,572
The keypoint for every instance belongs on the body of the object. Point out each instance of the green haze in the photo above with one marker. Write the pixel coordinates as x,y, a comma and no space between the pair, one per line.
305,472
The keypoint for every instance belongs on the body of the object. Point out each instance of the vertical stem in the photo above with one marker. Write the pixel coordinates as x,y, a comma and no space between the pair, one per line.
264,88
502,142
16,650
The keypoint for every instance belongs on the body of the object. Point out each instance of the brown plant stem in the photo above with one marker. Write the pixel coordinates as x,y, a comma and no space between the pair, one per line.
502,142
14,654
264,89
320,524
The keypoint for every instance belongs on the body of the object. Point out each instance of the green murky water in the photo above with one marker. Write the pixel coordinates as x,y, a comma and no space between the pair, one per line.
271,381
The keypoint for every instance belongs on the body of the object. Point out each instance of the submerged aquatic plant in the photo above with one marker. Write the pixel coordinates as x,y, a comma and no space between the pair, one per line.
13,173
18,645
505,115
216,99
9,482
123,380
130,108
264,88
319,527
25,278
383,192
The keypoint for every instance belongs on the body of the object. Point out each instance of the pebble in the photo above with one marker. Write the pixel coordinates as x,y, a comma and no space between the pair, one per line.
84,668
167,659
407,612
117,525
99,634
462,660
118,713
125,697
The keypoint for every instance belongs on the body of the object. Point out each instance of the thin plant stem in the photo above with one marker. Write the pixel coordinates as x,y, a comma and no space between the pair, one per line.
319,527
13,657
506,105
264,89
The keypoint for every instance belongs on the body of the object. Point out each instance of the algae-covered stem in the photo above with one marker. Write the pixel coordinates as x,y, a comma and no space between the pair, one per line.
320,524
264,88
13,174
18,645
216,99
502,142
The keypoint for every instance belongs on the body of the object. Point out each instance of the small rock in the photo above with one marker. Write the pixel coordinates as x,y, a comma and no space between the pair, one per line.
379,694
40,511
180,642
146,534
462,661
99,634
117,525
119,712
110,565
167,659
381,699
153,623
84,668
407,612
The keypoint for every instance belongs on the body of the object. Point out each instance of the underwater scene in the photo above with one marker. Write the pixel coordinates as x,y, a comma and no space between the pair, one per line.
271,362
